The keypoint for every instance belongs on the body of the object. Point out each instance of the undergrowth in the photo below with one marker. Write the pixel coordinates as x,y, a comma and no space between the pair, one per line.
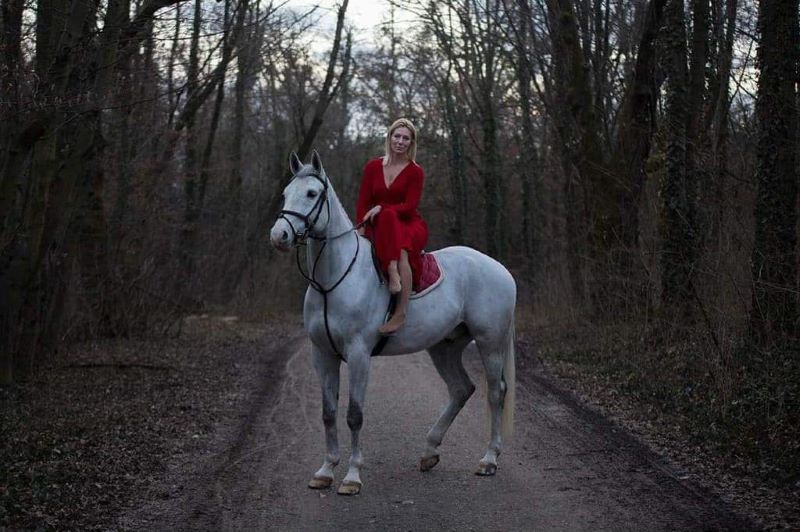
732,398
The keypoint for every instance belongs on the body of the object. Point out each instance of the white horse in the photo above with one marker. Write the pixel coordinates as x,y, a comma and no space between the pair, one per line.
346,302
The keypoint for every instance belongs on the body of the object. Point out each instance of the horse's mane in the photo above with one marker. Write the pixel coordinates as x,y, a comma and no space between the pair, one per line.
336,206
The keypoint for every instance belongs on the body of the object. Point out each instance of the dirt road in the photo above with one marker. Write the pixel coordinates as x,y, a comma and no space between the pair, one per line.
567,468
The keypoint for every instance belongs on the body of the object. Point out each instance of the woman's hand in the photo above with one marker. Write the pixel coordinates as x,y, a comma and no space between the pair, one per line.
372,213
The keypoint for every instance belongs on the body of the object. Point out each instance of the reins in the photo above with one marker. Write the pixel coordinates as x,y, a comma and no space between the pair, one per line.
300,239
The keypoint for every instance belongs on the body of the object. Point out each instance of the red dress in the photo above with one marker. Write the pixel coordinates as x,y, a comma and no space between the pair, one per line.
399,224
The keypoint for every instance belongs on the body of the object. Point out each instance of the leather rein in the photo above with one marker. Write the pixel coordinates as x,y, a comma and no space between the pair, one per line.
300,238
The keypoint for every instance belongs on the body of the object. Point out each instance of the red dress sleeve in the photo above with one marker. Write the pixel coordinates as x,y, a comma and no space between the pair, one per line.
416,178
365,199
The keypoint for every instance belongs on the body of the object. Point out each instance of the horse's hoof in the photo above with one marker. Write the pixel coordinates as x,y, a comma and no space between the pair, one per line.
320,483
486,469
349,487
426,463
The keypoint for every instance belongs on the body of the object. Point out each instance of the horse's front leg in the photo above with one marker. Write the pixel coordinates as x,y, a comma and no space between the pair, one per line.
358,363
327,367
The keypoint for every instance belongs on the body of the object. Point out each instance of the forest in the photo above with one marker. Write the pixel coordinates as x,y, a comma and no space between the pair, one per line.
632,162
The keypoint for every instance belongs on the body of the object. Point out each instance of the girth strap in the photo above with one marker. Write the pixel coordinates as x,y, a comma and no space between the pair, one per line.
382,341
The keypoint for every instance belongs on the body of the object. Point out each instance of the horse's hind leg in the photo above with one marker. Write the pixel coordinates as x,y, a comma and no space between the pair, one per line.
328,370
493,357
446,357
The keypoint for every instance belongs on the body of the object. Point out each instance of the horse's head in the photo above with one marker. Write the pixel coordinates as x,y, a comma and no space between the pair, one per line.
305,204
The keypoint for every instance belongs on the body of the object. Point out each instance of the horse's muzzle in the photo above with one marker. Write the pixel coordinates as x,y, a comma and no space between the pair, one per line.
280,237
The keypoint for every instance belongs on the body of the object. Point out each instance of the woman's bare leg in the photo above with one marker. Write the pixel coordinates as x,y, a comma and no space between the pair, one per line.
399,316
395,282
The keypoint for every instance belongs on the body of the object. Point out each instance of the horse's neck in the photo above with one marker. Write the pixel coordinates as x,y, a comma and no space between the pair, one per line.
339,222
338,252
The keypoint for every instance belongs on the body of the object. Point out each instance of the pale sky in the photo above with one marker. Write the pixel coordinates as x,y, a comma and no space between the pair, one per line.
364,15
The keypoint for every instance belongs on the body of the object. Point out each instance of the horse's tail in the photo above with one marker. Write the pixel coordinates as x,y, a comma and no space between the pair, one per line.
509,377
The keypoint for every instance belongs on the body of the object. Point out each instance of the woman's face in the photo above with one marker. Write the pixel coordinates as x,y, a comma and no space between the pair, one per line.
400,141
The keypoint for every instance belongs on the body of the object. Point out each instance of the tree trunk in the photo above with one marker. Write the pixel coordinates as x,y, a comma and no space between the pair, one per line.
125,144
719,121
484,64
91,228
243,82
600,16
10,59
698,142
173,97
528,159
774,262
74,67
457,166
92,224
10,46
636,128
34,225
677,207
184,279
489,170
597,216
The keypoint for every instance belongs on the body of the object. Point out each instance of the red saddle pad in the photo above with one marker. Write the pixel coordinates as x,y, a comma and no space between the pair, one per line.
430,273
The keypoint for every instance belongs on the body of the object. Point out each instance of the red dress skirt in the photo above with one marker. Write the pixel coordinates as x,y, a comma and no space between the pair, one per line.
399,224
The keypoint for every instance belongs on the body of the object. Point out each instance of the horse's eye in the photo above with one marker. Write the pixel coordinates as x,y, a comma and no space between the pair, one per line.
312,194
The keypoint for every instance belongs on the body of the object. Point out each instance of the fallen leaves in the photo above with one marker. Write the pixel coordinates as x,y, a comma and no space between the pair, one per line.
90,433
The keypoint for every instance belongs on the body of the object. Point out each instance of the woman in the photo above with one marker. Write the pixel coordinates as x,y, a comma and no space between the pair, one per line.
390,192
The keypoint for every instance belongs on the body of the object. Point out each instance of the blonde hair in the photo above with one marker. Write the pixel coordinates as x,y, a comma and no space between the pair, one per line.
412,149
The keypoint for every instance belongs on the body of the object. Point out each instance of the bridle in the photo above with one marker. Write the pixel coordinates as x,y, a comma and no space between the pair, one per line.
300,238
321,200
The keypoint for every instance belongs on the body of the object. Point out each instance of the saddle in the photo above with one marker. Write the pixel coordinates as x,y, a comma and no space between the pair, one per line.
430,277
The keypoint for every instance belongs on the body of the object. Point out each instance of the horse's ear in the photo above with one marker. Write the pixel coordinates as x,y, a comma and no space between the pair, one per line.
316,162
295,164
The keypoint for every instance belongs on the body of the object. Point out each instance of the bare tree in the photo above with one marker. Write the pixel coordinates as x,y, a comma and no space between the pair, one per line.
677,188
725,30
467,32
529,160
75,75
329,90
774,262
636,125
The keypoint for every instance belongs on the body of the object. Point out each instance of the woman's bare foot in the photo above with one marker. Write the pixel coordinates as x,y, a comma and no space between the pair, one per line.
393,325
